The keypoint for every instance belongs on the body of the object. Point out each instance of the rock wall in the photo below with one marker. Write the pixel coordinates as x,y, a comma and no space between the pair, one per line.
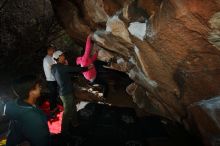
27,27
170,48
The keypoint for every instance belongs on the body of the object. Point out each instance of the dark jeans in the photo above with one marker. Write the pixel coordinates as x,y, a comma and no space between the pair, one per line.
53,93
69,119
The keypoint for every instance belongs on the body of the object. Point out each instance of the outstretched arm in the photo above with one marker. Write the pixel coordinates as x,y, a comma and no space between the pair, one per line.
75,69
88,47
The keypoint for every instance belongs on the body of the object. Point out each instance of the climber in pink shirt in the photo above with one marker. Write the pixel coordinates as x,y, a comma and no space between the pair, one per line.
91,74
86,60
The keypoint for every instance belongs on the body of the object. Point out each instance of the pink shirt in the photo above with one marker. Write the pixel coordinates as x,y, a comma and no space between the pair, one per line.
86,60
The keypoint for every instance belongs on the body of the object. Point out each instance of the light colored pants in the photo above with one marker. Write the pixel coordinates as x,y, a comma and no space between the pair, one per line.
70,113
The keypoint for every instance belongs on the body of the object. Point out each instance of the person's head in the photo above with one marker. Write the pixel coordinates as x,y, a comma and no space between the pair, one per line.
50,50
27,86
59,57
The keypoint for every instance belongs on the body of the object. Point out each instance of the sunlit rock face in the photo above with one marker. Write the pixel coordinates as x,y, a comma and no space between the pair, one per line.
170,48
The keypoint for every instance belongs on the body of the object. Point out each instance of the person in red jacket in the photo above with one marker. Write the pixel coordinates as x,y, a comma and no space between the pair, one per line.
85,60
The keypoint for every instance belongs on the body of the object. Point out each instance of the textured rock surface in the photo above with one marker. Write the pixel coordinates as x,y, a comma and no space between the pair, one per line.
26,28
207,113
174,60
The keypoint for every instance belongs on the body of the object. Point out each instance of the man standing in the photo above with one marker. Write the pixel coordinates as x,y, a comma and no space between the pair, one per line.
27,123
61,73
51,82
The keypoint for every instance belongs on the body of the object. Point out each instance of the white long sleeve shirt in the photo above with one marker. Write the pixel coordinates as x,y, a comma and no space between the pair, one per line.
47,63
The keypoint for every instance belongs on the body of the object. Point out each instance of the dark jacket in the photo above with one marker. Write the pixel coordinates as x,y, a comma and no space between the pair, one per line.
27,124
61,74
